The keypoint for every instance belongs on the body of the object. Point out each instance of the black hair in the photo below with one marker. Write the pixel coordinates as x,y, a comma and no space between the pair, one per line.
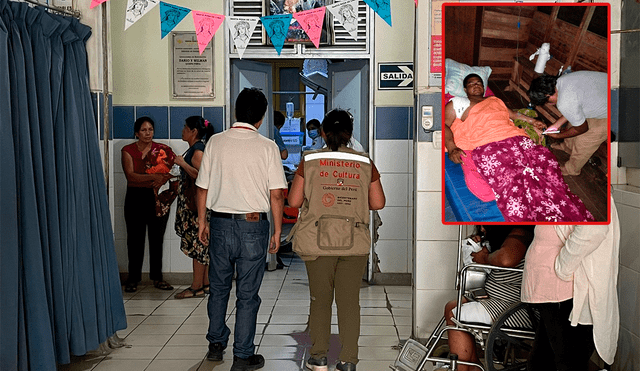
541,88
251,104
337,126
278,119
204,127
469,76
314,123
497,234
141,120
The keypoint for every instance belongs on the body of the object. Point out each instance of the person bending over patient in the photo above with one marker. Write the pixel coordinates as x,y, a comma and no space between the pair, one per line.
503,288
524,176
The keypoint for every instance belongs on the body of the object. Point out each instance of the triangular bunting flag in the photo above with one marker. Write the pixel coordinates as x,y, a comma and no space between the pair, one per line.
136,9
95,3
170,16
241,29
416,3
382,7
206,25
346,13
311,22
277,27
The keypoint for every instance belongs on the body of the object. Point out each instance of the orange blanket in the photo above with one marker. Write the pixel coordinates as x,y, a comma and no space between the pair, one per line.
487,122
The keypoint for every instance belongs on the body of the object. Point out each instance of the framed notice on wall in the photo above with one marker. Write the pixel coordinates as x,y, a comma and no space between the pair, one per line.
192,72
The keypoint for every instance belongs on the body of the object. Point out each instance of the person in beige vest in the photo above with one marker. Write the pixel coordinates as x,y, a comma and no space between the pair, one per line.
336,187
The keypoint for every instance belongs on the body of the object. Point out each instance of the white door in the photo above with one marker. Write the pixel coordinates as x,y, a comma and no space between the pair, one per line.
349,90
249,74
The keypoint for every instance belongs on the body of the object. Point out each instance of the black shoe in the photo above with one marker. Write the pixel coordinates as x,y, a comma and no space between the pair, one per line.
345,366
317,364
215,352
254,362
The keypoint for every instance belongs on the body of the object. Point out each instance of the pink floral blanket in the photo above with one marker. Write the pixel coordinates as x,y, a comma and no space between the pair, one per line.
527,182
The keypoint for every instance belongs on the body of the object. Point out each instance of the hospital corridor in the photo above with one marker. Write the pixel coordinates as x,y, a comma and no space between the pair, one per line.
164,334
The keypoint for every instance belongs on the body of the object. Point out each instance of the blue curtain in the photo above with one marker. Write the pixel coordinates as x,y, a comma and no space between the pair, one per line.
57,250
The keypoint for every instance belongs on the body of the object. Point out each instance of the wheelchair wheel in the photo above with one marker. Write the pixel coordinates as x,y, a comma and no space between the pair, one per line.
510,339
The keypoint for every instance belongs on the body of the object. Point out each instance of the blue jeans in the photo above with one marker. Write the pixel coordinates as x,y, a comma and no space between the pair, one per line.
241,245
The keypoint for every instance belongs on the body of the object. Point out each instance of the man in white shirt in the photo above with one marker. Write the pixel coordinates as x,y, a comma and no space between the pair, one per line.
240,180
582,98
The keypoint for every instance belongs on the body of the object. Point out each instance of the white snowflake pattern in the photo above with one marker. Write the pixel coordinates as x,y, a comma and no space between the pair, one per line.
538,209
514,189
548,192
489,164
541,157
539,169
527,143
553,163
515,148
552,209
551,218
528,170
528,195
491,181
515,207
563,203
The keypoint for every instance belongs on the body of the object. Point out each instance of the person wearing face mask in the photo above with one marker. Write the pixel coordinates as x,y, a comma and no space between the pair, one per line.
313,129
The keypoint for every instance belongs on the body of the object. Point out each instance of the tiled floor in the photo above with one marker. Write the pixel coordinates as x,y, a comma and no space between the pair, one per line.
169,334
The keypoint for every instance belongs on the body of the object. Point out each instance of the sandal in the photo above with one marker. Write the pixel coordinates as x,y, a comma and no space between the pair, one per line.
190,293
205,288
162,285
131,287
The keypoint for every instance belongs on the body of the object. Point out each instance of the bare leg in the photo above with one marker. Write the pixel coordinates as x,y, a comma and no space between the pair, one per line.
460,342
200,275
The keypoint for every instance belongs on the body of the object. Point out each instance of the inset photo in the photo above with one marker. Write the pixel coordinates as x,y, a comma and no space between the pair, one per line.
526,113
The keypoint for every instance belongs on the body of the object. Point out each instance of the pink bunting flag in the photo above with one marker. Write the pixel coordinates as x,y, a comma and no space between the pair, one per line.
311,22
416,3
95,3
206,25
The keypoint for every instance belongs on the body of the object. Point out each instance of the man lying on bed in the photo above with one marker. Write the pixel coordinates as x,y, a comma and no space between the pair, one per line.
525,177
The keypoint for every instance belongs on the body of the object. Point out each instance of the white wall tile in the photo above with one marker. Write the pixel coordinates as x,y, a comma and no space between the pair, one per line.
429,218
119,188
627,356
436,265
429,310
120,227
629,302
392,156
629,236
179,261
393,255
394,223
121,254
428,167
396,188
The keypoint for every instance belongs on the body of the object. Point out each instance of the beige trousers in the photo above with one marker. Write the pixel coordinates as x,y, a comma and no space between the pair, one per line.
581,147
342,275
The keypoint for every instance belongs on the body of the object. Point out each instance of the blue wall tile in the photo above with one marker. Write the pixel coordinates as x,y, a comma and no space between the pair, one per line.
160,116
123,118
393,123
215,115
177,115
615,101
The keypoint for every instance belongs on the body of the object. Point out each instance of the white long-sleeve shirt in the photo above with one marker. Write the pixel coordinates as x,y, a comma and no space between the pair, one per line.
590,256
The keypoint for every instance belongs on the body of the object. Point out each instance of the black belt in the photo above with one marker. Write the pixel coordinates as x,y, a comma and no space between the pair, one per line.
248,216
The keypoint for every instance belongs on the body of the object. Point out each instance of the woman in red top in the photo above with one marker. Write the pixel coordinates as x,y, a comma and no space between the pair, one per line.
140,204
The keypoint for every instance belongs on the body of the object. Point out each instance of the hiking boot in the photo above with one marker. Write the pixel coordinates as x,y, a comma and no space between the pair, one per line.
254,362
317,364
215,352
345,366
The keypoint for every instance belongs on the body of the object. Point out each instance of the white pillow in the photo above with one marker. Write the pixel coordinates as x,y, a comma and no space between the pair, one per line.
456,72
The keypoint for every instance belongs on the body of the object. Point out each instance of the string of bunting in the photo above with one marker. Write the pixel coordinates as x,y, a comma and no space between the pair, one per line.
241,28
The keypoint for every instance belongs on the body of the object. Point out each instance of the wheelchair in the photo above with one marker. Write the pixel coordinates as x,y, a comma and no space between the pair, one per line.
506,343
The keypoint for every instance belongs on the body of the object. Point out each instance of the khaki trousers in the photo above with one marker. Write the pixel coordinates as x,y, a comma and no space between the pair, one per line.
342,275
584,145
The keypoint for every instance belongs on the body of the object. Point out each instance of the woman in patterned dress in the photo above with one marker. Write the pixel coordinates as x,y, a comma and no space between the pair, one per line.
196,130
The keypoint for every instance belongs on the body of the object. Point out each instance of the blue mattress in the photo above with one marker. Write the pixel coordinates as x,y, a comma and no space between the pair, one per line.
465,206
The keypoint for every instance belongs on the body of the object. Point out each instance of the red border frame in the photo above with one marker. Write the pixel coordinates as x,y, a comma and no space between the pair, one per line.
450,4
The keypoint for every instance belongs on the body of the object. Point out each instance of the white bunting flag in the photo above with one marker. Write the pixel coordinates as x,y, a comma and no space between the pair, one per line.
136,9
241,29
346,13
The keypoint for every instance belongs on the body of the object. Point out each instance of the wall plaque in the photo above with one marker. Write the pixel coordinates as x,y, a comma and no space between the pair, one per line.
192,71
